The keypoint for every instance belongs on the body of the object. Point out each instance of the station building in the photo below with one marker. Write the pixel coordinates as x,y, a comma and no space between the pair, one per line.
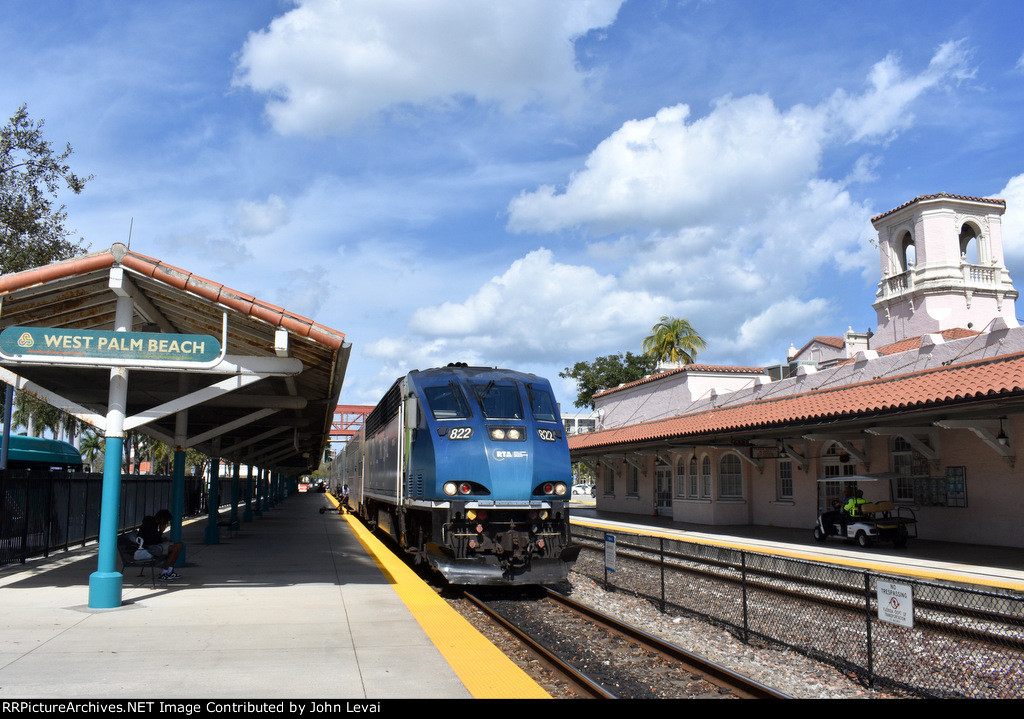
930,405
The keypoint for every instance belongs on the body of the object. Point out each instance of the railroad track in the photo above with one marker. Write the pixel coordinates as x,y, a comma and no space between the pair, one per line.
601,657
933,615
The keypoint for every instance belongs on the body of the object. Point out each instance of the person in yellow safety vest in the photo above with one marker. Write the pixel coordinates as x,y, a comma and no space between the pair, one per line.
852,507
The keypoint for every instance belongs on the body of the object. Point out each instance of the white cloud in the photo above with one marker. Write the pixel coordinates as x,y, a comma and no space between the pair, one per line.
883,110
666,173
789,317
670,172
732,205
260,218
327,64
1013,222
305,291
538,310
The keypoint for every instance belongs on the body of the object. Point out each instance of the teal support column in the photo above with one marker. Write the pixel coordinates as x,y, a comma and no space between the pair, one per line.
178,501
234,495
247,513
106,582
178,474
212,533
8,408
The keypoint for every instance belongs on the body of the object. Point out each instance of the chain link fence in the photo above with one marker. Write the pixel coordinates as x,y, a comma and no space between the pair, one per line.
932,639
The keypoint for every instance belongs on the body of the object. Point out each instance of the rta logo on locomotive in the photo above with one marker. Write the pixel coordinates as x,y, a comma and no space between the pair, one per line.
501,454
478,486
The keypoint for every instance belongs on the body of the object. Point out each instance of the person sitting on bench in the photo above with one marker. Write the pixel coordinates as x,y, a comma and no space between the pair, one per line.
156,543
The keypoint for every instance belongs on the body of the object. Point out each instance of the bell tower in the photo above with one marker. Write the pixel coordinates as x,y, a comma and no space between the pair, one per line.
942,267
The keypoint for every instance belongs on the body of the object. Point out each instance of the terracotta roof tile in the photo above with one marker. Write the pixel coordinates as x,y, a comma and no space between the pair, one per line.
943,385
182,280
921,198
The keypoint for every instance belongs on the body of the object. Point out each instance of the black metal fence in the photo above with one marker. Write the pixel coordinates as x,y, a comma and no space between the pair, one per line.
45,512
957,641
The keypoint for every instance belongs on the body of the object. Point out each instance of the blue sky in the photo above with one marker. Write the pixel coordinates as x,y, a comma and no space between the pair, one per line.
525,183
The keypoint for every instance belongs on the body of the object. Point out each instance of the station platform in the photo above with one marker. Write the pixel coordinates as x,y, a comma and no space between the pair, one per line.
989,566
296,604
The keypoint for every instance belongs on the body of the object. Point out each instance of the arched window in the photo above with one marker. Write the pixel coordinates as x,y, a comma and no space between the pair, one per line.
908,254
970,238
730,477
609,480
662,483
681,477
691,479
705,478
907,464
835,462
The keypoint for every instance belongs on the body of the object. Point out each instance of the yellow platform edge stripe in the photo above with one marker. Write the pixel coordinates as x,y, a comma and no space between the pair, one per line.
859,564
484,670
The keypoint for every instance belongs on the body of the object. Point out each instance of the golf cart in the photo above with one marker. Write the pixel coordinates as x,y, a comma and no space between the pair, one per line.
879,521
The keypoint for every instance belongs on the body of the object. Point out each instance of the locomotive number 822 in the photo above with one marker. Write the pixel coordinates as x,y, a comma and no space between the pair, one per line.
467,468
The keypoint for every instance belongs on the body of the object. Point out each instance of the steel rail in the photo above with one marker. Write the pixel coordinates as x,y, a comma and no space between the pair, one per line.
739,685
577,679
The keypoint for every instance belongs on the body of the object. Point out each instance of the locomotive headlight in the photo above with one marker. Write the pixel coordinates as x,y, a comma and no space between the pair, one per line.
507,434
560,488
450,489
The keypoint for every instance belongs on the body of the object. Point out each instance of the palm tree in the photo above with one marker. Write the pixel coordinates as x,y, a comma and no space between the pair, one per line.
92,446
674,340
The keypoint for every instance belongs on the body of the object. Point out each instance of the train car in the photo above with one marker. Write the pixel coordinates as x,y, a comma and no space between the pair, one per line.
39,453
467,468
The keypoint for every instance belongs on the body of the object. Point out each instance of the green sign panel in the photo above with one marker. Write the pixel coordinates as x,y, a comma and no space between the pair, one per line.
22,342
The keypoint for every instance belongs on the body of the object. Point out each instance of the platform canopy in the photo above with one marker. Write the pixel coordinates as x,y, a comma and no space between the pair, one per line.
265,396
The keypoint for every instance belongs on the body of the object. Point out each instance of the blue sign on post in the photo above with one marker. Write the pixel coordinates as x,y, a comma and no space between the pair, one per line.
609,552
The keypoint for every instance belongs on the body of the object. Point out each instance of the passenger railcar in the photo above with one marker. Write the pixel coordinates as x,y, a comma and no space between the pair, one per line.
467,468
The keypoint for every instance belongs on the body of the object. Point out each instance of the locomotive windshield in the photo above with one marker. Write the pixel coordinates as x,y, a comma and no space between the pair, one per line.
499,401
542,404
447,402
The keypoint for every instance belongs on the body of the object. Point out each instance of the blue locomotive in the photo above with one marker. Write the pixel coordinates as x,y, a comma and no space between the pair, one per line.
467,468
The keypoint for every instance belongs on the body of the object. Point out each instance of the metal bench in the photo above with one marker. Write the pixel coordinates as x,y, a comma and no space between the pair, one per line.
127,544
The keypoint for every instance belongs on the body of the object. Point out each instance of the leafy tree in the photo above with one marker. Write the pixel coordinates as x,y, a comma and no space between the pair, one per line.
197,461
92,444
673,340
606,372
322,472
32,229
34,415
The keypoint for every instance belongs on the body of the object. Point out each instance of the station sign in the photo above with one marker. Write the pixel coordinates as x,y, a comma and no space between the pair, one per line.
895,603
106,346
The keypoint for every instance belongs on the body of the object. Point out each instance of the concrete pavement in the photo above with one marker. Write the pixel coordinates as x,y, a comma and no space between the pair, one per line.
290,607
